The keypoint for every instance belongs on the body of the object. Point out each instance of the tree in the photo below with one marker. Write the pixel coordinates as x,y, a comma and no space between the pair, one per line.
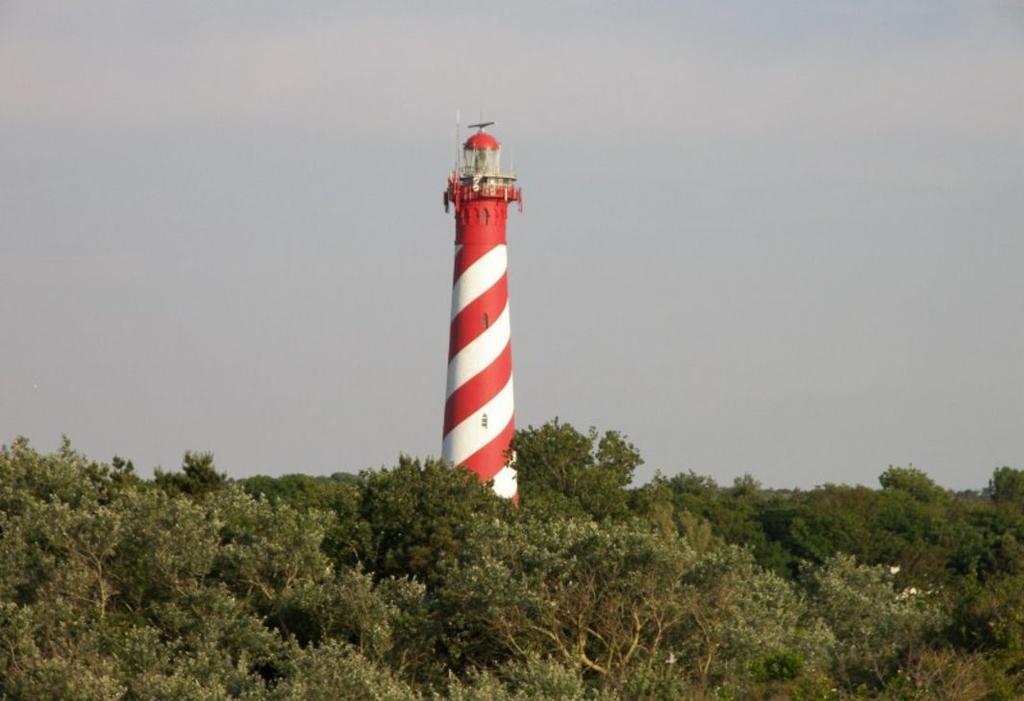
531,679
269,552
914,482
1007,488
876,627
603,600
198,476
417,582
562,470
335,671
746,623
417,513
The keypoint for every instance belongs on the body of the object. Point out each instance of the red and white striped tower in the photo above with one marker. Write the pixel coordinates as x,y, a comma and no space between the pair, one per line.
479,415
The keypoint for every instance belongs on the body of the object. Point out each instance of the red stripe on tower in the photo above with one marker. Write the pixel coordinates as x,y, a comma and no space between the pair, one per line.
479,416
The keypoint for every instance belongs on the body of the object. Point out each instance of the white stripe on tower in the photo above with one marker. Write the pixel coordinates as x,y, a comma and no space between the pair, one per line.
466,438
481,352
479,277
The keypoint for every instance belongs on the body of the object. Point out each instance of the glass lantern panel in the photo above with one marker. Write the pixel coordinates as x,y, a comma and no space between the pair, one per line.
481,161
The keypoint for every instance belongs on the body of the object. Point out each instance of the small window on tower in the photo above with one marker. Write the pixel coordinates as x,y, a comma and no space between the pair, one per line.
483,420
486,320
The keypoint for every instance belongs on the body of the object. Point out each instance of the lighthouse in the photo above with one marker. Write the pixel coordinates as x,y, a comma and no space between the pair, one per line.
479,416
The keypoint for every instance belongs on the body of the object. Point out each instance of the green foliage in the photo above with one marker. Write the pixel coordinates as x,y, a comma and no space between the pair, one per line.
914,482
27,476
564,471
417,582
875,624
598,599
417,513
741,614
197,478
532,678
783,665
1007,488
335,671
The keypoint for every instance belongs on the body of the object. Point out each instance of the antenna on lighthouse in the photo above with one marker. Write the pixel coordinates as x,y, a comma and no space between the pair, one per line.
456,139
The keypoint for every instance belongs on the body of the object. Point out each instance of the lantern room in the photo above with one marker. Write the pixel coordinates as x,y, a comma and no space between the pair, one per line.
481,156
479,174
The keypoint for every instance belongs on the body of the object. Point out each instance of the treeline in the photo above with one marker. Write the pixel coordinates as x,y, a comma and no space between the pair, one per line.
416,583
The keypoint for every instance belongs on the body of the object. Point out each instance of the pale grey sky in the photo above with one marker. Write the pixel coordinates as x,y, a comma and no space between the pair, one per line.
777,238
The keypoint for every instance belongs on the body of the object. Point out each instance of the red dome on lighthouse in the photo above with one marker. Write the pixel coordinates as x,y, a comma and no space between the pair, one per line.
482,140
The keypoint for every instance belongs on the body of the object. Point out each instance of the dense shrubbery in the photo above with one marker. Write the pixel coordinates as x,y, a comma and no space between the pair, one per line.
417,583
